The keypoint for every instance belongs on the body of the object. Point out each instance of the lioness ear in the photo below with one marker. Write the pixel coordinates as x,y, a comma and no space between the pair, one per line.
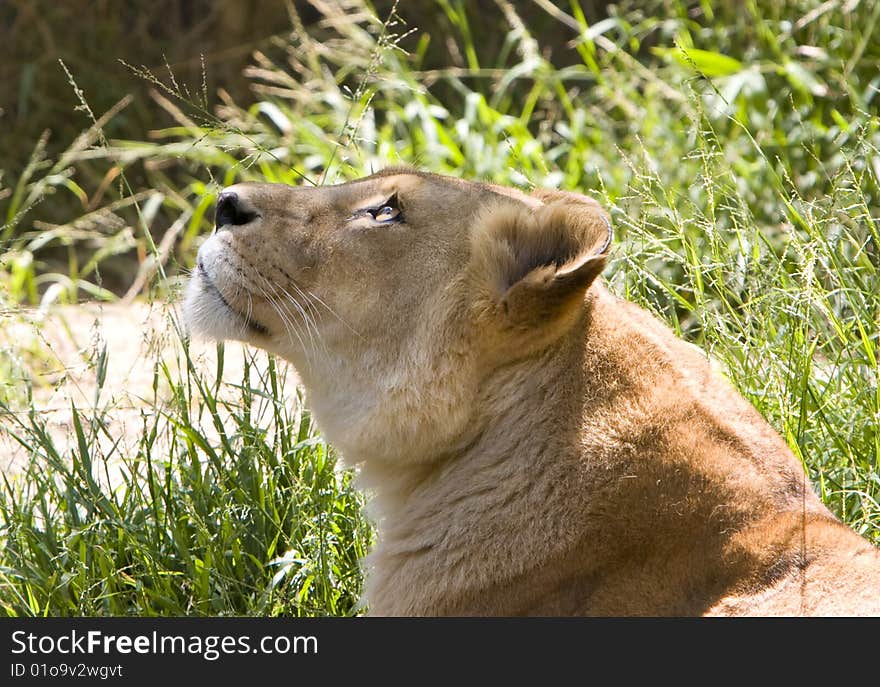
543,259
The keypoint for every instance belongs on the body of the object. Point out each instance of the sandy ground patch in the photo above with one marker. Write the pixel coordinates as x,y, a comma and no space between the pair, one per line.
59,351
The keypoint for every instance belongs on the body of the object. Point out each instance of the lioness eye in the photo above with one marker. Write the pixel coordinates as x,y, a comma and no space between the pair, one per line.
385,214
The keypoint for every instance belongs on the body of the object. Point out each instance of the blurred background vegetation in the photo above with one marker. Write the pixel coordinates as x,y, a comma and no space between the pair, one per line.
736,143
211,54
177,85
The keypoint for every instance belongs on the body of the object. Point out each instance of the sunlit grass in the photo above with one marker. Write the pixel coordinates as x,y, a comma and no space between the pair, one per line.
222,508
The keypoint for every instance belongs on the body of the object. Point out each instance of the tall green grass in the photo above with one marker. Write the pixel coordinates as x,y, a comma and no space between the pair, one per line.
737,148
222,508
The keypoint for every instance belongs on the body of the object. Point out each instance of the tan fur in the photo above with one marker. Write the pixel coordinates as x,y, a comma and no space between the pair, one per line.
531,444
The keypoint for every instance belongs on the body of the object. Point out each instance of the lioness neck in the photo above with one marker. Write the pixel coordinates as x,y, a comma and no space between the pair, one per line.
589,475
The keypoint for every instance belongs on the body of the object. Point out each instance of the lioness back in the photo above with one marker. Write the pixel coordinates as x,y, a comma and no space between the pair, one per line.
531,443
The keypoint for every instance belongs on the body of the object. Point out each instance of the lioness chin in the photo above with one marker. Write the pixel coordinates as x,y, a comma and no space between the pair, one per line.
532,444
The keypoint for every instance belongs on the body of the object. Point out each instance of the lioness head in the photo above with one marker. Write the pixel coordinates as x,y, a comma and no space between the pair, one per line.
394,295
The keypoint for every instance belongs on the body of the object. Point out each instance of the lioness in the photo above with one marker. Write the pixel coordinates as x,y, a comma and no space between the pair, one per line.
533,444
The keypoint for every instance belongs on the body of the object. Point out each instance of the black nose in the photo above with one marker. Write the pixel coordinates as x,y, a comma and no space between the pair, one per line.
230,210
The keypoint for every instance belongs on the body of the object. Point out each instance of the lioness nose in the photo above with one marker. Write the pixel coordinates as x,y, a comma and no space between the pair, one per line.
230,210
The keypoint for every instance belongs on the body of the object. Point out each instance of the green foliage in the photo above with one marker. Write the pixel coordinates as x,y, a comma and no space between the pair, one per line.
736,145
241,520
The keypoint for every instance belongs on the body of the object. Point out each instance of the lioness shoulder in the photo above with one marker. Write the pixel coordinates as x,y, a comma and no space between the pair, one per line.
532,444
